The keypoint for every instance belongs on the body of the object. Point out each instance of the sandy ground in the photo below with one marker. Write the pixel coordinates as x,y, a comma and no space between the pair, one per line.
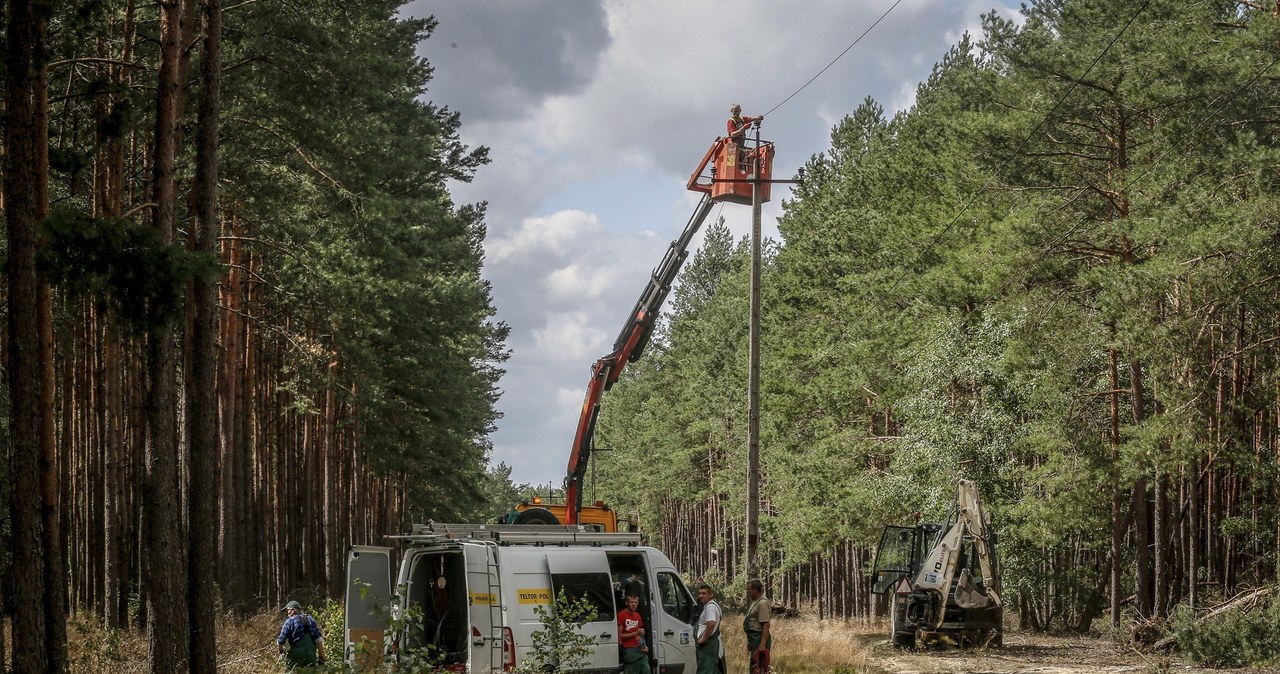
1025,653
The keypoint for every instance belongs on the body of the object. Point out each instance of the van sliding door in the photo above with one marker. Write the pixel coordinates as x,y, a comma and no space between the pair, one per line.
585,574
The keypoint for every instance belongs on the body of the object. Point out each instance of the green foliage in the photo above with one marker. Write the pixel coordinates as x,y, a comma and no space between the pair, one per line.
122,261
353,267
331,620
1238,637
346,208
499,493
953,282
560,645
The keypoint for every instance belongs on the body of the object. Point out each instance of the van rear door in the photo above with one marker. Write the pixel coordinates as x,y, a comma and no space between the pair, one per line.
368,605
437,622
484,592
585,573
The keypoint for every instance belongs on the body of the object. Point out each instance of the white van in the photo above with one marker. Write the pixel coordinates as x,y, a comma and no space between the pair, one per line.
477,588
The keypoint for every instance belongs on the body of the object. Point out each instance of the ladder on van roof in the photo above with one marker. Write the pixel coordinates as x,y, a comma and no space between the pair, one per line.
516,534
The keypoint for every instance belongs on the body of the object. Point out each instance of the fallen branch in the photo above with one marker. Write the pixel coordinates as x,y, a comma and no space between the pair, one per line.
1250,598
1244,600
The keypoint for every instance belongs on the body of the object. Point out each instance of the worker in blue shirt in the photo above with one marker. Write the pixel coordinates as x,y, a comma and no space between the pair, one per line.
302,634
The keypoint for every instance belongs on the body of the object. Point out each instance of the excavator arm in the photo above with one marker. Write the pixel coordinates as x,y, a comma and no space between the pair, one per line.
627,348
939,567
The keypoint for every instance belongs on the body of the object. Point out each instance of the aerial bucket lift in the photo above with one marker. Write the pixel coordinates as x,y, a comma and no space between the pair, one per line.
733,168
730,168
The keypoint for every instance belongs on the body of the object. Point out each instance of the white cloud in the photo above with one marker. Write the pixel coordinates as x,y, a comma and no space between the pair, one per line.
571,398
571,338
553,235
577,280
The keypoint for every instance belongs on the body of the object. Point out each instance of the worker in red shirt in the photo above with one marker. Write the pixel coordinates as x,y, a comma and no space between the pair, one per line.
635,652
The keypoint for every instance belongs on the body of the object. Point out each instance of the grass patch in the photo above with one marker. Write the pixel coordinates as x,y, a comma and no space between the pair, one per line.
803,646
247,645
1247,634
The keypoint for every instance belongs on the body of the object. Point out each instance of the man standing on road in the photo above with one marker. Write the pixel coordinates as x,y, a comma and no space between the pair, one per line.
302,634
708,631
756,625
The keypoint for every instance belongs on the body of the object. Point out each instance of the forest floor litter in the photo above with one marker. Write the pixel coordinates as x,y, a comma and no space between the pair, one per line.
1026,653
801,646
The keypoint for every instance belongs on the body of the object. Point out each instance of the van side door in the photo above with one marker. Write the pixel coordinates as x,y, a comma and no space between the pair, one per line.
368,604
585,573
673,624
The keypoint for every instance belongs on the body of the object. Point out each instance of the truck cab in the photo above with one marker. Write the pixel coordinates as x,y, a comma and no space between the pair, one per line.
596,517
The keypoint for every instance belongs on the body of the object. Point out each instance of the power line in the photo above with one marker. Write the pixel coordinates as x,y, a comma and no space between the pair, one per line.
833,61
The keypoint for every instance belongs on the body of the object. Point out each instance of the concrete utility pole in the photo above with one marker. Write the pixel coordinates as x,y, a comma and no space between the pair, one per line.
753,387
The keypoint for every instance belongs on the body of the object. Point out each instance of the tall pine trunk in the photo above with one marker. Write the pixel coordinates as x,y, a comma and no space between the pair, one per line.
115,420
1161,546
55,591
1143,580
24,49
1117,501
202,395
165,558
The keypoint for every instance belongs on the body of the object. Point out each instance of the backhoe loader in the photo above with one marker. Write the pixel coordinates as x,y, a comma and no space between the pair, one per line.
930,570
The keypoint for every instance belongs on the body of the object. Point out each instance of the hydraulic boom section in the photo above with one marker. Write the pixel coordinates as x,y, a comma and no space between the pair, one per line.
627,348
946,555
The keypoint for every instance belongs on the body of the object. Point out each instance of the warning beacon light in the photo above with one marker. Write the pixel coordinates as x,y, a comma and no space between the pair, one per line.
731,167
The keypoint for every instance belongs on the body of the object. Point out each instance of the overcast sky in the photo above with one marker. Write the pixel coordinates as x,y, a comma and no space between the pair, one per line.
596,112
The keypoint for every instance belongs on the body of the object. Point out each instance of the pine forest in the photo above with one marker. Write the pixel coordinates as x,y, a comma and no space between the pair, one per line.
247,326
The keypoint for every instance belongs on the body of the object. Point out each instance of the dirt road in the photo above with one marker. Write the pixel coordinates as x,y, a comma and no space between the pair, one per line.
1027,654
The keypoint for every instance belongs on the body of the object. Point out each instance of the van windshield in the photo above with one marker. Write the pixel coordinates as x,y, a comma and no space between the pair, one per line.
594,586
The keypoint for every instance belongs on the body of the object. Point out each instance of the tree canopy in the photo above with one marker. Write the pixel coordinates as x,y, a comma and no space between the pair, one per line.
1053,274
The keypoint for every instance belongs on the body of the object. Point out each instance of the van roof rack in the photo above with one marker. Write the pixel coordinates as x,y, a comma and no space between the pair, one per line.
516,534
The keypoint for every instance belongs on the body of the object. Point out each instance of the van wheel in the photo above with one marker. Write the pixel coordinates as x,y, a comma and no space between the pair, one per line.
536,516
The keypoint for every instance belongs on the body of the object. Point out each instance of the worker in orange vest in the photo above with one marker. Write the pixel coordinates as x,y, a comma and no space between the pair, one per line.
737,125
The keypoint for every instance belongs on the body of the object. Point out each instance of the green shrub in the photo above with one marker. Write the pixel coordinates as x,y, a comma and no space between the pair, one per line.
330,620
559,645
1249,635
